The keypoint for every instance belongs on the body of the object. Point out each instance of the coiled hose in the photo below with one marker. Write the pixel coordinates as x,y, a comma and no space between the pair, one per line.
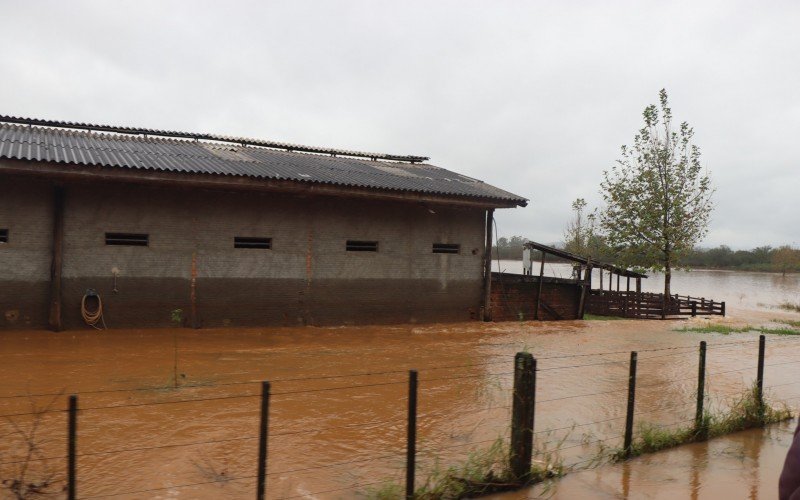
92,318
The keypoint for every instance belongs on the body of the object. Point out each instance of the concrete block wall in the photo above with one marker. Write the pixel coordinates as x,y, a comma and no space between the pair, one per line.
306,278
26,212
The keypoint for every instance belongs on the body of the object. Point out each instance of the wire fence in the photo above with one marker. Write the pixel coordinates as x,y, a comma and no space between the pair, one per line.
603,418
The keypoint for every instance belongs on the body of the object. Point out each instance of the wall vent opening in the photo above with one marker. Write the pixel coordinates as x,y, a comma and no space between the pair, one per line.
361,246
3,235
127,239
446,248
252,242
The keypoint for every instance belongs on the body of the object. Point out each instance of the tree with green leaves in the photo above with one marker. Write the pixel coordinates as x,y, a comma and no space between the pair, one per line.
658,196
580,231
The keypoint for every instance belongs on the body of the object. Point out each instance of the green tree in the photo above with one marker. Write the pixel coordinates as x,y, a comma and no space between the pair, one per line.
580,231
658,198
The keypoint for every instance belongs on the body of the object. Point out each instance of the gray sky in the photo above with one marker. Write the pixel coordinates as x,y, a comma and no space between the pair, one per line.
534,97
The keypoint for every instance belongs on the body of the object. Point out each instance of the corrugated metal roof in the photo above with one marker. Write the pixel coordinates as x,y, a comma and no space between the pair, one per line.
83,147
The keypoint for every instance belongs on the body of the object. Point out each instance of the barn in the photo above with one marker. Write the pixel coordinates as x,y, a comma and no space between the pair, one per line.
173,228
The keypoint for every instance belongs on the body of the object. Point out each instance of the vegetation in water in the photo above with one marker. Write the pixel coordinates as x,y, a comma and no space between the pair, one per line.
594,317
745,412
727,329
793,323
483,472
790,306
716,328
30,474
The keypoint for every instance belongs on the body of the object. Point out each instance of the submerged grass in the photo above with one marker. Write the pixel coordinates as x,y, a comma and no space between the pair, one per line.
744,413
716,328
789,322
727,329
790,306
484,471
595,317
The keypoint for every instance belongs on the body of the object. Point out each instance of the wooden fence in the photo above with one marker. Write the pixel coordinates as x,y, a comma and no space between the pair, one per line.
646,305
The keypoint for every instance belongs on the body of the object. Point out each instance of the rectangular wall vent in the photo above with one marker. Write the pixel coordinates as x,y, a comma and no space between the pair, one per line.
361,246
252,242
127,239
3,235
446,248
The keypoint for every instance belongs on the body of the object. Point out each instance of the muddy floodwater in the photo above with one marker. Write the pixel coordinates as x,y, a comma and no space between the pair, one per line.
338,406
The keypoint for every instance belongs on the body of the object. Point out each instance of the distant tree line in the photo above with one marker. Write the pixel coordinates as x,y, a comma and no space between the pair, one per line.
783,259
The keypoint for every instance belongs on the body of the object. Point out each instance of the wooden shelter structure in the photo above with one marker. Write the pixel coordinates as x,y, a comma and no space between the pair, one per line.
531,296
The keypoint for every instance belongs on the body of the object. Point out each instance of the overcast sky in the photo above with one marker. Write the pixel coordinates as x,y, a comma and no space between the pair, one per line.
533,97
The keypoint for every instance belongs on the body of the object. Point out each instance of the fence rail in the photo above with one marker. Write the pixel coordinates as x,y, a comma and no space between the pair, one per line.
523,403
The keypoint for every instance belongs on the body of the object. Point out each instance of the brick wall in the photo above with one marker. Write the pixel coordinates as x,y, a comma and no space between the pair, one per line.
306,278
514,298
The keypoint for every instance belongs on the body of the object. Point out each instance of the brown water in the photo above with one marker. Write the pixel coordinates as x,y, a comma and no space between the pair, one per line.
336,416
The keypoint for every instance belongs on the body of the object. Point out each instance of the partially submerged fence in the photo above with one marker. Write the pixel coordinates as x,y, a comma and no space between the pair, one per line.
646,305
526,398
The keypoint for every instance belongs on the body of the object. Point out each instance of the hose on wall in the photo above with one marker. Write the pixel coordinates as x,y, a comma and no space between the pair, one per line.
92,318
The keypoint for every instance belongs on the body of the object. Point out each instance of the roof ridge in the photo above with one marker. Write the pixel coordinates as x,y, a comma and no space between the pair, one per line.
243,141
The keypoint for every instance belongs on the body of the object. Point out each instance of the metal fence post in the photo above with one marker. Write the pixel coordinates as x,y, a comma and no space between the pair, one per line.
72,431
411,435
760,374
522,416
631,401
699,426
263,431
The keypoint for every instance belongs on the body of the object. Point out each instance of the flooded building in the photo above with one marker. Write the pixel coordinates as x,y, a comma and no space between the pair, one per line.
201,230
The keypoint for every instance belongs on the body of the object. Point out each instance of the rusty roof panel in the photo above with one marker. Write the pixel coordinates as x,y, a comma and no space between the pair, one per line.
84,147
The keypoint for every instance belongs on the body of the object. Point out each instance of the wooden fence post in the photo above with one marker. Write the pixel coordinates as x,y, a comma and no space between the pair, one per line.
72,431
522,410
263,431
628,445
411,434
699,424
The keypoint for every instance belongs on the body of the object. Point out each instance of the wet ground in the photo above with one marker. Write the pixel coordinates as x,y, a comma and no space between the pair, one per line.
338,409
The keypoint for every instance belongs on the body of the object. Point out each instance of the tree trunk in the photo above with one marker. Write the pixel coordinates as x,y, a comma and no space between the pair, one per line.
667,281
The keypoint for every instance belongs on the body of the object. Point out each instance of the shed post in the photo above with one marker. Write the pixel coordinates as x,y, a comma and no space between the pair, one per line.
601,279
618,277
487,268
57,259
539,293
586,287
